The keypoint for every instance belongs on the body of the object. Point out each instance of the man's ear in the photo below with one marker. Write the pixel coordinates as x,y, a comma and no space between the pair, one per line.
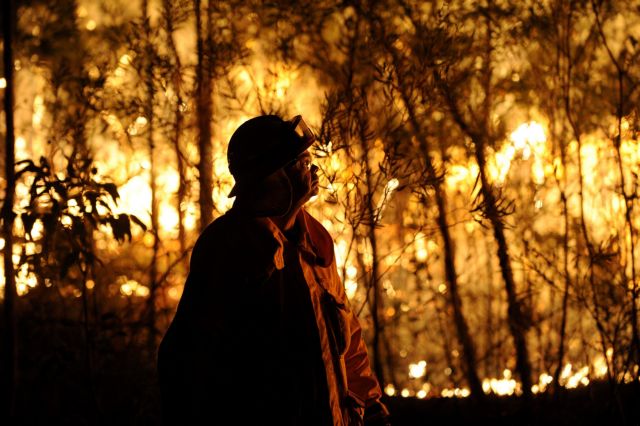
278,186
270,196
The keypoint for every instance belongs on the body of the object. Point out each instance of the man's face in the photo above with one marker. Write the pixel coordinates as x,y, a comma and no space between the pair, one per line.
303,176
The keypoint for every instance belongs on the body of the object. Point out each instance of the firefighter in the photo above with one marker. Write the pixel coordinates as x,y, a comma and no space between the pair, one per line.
263,333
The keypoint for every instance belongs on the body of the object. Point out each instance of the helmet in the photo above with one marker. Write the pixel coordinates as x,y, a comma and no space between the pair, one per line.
264,144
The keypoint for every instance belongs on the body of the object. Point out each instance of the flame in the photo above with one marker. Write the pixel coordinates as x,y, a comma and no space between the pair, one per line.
390,390
129,287
503,386
527,139
418,370
530,135
25,280
135,198
351,287
456,392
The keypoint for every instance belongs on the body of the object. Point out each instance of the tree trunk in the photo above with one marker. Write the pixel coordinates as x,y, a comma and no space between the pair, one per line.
204,111
567,279
634,350
629,198
10,347
518,323
451,276
462,328
374,283
565,244
150,95
178,125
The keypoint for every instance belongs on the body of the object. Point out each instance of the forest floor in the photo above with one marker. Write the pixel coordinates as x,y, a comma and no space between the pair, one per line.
591,405
595,404
54,389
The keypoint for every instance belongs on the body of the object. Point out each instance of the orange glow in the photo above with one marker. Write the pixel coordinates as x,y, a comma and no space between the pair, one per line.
524,167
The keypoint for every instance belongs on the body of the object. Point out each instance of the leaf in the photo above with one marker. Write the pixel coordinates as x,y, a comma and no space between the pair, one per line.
69,260
121,228
138,222
92,197
77,227
61,189
112,189
27,221
71,172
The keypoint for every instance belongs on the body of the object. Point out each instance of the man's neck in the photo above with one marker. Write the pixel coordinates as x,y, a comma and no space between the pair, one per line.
286,222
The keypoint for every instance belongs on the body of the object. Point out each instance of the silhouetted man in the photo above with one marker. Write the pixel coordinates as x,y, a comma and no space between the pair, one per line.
263,334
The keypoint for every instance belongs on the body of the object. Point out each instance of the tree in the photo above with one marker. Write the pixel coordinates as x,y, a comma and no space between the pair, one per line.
406,69
174,14
489,203
10,352
204,107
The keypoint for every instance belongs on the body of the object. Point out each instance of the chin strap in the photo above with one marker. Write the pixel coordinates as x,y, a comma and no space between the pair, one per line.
271,211
290,192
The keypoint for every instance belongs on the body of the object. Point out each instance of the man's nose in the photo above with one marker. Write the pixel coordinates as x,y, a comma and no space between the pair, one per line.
314,169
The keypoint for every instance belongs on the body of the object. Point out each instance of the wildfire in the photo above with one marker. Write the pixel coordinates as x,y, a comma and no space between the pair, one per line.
527,140
507,385
527,154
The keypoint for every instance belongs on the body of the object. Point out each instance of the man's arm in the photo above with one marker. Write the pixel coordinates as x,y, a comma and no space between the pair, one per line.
361,382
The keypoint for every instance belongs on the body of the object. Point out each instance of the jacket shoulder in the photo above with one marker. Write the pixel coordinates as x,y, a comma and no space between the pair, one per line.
233,239
321,238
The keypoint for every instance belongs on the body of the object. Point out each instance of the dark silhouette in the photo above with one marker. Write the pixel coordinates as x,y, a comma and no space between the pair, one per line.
264,333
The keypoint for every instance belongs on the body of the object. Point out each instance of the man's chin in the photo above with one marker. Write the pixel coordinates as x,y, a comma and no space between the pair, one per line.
311,195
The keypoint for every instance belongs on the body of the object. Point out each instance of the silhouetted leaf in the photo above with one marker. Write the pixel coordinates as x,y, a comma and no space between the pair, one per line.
69,260
137,221
112,189
27,221
121,227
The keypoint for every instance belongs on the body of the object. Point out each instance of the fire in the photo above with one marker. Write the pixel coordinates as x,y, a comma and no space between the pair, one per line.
135,198
129,287
503,386
527,140
121,154
418,370
390,390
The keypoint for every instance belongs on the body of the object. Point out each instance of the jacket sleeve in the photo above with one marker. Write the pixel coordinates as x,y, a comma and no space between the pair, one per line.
362,384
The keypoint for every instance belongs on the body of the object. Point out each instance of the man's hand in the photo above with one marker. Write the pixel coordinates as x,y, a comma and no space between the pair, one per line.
377,415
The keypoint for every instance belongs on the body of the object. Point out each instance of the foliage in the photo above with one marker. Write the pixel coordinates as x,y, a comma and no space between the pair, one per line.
69,209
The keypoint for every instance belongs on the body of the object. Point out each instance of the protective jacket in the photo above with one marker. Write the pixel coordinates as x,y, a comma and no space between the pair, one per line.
264,333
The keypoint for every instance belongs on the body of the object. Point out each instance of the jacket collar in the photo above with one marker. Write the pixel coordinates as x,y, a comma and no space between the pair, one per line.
314,239
315,242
